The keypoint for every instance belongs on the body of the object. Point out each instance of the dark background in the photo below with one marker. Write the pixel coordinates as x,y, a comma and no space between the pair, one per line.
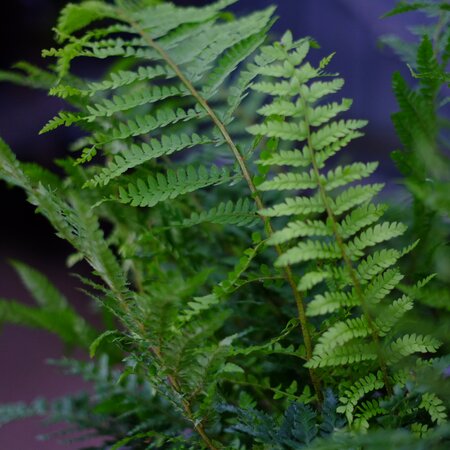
349,27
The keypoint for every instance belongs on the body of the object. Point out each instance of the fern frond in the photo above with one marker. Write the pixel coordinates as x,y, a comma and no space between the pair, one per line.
393,313
75,17
355,196
139,154
71,328
379,261
241,213
295,206
288,181
130,101
340,333
161,187
144,125
124,78
366,411
412,343
300,229
353,395
360,218
374,235
330,302
308,250
435,407
382,285
349,354
356,281
348,174
40,287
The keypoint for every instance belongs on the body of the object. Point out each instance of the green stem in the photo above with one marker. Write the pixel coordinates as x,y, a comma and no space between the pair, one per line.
246,174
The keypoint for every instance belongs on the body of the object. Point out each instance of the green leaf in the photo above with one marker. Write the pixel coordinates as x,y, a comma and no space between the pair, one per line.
99,339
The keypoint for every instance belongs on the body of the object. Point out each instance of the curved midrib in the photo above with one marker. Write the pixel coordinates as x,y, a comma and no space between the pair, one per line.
246,174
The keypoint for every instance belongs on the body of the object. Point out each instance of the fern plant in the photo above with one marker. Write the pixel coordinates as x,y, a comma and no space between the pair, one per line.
256,318
337,225
423,159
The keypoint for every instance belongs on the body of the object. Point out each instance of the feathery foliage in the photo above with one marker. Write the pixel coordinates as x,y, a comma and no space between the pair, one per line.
251,295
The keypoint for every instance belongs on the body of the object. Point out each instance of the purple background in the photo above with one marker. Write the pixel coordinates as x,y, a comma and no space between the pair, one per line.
349,27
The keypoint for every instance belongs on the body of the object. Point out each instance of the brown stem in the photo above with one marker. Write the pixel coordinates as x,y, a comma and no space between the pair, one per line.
186,405
246,174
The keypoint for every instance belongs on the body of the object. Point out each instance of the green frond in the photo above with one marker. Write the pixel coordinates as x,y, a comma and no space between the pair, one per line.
392,314
347,354
14,411
311,279
291,158
40,287
382,285
273,346
344,175
129,101
428,65
295,206
76,224
340,333
281,107
288,181
320,89
241,213
71,328
158,20
330,302
300,229
415,116
329,134
307,251
155,189
357,391
435,407
64,118
324,113
199,305
123,78
419,429
323,155
230,60
26,74
354,196
379,261
139,154
366,411
410,344
359,218
145,124
375,235
290,131
10,169
75,17
231,34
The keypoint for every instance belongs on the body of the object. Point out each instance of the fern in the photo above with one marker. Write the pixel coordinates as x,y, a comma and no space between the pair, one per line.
203,317
350,228
421,126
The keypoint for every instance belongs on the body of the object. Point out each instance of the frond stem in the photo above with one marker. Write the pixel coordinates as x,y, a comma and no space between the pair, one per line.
186,405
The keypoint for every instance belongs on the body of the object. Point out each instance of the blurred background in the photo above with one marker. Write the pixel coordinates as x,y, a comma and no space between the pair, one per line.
351,28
